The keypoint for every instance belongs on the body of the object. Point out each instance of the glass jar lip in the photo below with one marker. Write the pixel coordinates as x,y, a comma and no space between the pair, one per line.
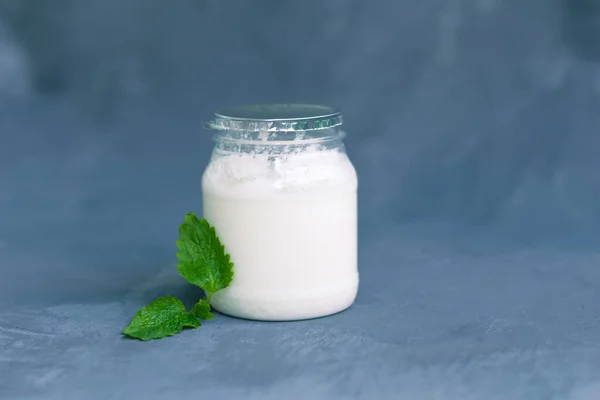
275,118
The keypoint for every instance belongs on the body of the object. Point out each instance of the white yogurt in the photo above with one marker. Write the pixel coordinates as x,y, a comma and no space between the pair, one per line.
290,225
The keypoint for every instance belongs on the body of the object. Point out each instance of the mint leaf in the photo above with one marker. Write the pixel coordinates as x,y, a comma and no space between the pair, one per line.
202,258
202,262
165,316
202,310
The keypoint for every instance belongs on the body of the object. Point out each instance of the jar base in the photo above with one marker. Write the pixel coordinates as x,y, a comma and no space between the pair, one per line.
283,307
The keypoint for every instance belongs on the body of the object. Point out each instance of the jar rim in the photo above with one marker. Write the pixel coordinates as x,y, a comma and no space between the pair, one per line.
276,118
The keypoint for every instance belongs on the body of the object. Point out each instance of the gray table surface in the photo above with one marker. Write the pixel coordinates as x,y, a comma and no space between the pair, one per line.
438,317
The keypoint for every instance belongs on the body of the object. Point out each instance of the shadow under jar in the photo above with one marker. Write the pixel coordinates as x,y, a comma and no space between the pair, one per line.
282,196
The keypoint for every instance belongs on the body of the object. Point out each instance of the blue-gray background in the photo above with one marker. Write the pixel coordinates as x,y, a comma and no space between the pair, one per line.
473,125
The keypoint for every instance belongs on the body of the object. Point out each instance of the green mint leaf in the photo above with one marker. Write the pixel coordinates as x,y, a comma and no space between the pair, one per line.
202,262
202,310
165,316
202,258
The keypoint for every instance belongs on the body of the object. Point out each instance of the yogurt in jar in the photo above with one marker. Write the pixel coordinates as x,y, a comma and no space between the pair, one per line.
287,214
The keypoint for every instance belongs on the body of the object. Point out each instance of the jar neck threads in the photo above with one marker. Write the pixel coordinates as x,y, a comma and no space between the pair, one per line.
273,143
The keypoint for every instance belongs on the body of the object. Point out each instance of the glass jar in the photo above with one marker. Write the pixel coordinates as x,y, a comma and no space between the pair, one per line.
282,196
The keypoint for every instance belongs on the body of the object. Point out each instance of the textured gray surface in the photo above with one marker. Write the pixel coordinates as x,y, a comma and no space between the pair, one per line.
435,319
474,128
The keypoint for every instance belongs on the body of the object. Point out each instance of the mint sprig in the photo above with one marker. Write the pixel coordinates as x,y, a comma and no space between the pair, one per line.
202,262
